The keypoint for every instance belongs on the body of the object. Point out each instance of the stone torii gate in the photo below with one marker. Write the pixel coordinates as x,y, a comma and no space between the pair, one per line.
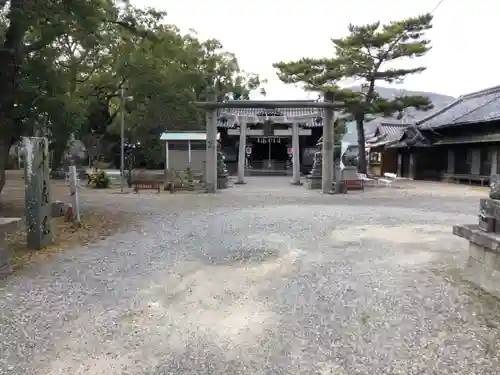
212,107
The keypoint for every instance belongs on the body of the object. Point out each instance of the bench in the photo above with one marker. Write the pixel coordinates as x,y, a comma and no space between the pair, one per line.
146,184
354,184
453,177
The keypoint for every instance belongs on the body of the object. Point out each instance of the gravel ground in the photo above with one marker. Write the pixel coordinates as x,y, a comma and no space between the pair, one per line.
263,278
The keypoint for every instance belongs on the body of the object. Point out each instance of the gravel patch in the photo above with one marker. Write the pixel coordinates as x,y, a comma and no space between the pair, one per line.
263,278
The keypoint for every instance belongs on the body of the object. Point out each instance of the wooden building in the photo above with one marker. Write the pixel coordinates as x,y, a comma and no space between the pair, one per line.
459,142
381,158
184,150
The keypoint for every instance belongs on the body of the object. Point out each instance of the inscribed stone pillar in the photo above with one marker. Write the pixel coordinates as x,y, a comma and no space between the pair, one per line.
242,151
327,150
211,154
451,162
37,192
476,162
296,154
494,161
400,164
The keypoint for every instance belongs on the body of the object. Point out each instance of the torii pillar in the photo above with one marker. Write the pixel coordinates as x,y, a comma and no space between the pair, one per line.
242,122
296,154
327,151
211,148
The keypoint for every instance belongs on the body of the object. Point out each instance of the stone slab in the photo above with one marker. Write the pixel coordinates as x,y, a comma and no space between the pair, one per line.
58,209
491,241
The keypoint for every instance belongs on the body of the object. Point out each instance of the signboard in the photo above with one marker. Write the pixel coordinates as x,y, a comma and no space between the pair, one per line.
269,140
248,150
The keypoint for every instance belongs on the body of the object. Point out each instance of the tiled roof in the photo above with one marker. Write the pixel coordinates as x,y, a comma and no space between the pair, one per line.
481,106
411,137
261,114
386,134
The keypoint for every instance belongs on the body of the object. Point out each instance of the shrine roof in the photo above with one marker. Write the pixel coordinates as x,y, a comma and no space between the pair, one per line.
227,116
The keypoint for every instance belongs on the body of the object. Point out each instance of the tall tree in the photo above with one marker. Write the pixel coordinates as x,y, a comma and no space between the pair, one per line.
30,26
369,53
63,64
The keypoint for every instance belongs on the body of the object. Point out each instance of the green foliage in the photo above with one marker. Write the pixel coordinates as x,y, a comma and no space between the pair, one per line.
64,64
183,180
100,180
370,54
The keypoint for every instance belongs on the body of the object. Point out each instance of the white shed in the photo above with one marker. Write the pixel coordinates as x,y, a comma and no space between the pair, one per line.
185,149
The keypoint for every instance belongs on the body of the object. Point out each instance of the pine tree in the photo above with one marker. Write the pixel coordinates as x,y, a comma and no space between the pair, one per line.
370,54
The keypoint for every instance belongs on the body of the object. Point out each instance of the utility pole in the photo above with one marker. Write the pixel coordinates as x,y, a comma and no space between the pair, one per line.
122,140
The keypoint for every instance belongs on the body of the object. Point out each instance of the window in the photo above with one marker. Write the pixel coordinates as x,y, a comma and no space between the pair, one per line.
178,146
198,145
375,157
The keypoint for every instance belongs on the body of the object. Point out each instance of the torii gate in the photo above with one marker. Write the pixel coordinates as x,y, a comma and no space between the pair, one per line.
211,107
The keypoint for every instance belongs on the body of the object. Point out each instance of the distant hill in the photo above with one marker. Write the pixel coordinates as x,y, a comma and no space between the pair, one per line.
411,115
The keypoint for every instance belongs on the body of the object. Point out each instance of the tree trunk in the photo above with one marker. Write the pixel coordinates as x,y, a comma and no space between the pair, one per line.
361,145
57,156
5,143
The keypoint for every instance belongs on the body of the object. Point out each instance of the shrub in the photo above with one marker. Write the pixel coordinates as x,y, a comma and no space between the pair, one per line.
100,180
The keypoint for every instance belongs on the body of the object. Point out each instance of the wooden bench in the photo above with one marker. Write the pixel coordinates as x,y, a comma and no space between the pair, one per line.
354,184
146,184
453,177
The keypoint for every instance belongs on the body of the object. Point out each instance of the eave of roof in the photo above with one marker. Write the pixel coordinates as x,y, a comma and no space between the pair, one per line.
476,107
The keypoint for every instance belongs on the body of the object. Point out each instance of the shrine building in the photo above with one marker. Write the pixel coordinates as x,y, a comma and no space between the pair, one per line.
269,137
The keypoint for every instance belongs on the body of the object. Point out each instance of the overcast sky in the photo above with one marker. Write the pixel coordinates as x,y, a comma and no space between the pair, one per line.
260,32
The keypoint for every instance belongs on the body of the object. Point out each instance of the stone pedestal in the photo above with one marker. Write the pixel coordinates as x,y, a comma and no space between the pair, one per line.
483,265
222,172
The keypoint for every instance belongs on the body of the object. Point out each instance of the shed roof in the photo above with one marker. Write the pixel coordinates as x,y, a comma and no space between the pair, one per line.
185,136
480,106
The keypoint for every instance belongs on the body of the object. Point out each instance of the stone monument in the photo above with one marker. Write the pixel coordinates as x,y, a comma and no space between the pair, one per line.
313,179
222,172
37,192
483,265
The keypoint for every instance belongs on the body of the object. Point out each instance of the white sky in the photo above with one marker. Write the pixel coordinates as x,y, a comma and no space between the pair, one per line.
464,37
